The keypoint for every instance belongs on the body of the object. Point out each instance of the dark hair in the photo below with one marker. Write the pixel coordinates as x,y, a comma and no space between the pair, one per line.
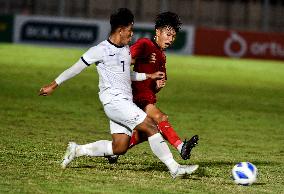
168,19
121,17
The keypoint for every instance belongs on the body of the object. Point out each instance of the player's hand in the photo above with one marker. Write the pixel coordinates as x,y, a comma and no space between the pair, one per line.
48,89
160,84
152,58
157,75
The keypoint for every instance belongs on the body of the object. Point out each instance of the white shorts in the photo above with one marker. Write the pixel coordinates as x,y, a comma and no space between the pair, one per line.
124,115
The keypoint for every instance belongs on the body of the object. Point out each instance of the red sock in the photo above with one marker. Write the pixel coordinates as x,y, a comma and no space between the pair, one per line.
133,140
169,133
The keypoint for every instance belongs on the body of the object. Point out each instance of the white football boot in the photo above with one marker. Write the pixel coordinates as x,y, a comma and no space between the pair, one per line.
69,154
184,170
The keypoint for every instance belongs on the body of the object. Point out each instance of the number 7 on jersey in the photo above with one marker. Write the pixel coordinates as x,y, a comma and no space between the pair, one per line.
122,65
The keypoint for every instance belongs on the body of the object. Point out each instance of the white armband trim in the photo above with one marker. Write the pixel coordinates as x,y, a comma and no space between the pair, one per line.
71,72
135,76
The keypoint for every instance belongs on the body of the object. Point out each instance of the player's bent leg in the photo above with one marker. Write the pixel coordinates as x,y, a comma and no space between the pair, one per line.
164,126
136,138
148,127
124,112
124,117
159,146
120,143
155,113
169,133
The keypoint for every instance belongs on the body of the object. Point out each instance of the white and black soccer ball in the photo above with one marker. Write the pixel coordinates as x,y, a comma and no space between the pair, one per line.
244,173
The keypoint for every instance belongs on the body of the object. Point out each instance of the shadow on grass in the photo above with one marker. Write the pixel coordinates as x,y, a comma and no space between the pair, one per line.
139,167
232,163
148,166
126,166
254,184
259,184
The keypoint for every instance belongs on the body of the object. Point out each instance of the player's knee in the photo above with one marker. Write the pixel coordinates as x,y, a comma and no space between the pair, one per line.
164,117
120,152
151,124
160,117
148,127
119,147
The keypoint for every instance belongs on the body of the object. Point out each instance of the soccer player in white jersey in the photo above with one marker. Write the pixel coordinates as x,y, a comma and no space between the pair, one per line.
112,58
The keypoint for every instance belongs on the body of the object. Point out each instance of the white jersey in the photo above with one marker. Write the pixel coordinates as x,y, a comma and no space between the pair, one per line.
113,65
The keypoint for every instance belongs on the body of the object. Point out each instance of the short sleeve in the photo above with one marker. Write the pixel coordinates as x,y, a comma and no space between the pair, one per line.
93,55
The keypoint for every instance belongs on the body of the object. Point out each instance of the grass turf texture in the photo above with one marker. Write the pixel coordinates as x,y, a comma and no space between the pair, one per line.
236,107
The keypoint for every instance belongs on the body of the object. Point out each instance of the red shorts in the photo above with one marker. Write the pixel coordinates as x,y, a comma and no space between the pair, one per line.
142,99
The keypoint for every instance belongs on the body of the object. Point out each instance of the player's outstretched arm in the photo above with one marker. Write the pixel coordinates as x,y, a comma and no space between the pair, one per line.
67,74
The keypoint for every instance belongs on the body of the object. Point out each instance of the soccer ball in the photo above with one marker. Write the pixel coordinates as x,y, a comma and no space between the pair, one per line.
244,173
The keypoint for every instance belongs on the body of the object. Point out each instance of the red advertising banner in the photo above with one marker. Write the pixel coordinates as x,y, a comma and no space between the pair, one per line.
239,44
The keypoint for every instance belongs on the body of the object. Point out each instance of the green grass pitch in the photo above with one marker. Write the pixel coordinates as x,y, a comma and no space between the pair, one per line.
235,106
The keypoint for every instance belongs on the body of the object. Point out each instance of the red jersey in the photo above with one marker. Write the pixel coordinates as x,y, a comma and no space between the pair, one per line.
144,91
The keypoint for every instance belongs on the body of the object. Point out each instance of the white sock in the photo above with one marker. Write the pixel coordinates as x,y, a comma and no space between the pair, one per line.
179,147
98,148
162,151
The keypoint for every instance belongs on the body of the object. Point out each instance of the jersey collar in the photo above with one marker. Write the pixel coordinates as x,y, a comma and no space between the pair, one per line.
154,42
118,46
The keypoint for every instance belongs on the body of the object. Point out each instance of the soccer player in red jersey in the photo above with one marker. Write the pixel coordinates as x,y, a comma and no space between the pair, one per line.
148,57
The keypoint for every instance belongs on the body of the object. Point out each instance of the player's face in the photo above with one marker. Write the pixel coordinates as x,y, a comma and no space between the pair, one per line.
126,34
165,37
